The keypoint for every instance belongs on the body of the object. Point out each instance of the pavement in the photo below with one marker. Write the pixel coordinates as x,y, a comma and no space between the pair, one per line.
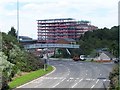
71,74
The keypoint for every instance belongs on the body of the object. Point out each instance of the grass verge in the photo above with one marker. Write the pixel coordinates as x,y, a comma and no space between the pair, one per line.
29,77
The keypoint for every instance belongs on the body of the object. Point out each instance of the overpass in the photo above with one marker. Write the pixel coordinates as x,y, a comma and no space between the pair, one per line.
38,45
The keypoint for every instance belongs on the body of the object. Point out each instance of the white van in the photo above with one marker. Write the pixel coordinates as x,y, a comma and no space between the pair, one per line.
82,57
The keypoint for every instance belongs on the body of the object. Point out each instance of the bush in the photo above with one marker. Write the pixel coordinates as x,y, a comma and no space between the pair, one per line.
114,77
4,83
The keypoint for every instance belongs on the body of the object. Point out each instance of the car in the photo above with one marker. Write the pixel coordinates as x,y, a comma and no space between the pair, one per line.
76,58
116,61
82,57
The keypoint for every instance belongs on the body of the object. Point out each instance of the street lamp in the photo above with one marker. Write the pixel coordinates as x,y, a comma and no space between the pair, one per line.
18,20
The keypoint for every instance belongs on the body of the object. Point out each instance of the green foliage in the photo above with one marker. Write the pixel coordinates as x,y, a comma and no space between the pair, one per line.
101,38
28,77
114,78
12,32
62,53
13,58
6,69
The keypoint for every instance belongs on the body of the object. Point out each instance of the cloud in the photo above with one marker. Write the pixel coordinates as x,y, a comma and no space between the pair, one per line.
102,13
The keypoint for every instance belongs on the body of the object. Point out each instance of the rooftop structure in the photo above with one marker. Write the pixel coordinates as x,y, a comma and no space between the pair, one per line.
51,30
26,40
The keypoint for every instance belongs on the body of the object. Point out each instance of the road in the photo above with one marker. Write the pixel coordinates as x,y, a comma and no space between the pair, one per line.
71,74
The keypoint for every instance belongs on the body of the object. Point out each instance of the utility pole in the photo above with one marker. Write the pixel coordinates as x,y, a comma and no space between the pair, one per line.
18,20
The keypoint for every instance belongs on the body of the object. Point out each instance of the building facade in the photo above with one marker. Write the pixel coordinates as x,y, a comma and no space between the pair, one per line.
51,30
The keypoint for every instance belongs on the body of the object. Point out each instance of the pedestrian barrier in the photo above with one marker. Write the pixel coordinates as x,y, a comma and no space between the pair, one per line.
33,46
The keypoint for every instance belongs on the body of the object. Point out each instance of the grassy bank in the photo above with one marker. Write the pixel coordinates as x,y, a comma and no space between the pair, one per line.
28,77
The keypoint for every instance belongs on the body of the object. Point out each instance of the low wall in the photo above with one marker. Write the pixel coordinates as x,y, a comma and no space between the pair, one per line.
65,59
103,60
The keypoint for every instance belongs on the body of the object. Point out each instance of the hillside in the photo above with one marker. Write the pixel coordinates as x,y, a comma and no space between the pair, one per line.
15,59
98,39
94,40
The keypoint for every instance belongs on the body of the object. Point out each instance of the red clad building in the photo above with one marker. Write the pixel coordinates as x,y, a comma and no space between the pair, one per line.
51,30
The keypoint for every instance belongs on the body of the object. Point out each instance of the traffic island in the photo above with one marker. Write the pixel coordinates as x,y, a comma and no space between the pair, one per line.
29,77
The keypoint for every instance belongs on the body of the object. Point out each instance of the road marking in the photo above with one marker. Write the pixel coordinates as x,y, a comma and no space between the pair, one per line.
37,78
95,83
52,77
93,86
88,79
60,64
86,73
59,82
71,78
106,80
80,63
67,80
38,81
77,83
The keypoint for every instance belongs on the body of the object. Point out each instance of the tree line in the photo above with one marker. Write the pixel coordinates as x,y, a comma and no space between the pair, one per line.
15,59
98,39
93,40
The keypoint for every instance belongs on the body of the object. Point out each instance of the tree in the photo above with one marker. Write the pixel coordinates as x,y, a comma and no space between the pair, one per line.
12,32
101,38
6,69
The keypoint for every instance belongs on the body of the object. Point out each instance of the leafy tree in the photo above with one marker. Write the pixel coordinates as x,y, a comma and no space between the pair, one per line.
6,68
101,38
14,59
12,32
114,77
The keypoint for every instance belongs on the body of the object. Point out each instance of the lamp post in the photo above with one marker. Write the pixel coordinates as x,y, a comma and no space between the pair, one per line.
18,20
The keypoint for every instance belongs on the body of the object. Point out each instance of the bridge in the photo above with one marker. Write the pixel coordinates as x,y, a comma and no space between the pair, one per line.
38,45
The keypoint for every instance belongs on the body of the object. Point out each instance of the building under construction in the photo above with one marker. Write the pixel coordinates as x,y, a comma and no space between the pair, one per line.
51,30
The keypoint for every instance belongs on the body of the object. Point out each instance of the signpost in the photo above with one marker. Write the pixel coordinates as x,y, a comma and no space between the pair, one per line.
45,62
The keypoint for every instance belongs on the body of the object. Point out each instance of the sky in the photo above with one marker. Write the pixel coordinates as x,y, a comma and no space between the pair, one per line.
101,13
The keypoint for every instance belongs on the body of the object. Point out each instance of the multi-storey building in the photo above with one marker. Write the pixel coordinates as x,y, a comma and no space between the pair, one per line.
51,30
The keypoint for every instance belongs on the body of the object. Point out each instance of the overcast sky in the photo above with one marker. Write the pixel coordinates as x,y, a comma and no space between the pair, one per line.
101,13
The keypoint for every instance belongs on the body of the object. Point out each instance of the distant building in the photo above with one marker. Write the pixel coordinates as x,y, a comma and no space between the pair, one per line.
21,38
104,56
51,30
26,40
66,41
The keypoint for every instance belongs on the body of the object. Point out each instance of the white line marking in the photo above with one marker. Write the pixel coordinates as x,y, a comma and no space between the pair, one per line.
92,86
95,83
88,79
67,80
37,78
59,82
106,80
77,83
71,78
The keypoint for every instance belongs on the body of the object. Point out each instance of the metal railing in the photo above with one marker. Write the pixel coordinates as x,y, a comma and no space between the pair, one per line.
33,46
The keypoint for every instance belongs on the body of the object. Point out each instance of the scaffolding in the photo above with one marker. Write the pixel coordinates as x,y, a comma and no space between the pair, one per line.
50,30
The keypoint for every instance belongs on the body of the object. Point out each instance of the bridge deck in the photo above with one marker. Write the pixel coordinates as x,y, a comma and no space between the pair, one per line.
33,46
